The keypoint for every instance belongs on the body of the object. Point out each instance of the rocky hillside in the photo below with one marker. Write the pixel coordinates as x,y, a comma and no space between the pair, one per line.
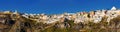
10,22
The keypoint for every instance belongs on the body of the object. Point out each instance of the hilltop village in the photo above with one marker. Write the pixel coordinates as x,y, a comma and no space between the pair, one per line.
93,21
93,16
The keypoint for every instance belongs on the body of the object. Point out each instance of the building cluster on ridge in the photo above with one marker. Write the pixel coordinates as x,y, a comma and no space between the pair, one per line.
93,16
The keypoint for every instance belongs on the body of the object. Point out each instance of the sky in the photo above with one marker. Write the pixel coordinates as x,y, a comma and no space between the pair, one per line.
56,6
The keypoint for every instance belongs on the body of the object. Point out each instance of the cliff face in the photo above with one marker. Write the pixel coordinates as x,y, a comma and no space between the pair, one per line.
17,23
13,23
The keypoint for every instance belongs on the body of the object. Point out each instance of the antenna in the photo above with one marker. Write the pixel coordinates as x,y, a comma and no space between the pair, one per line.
114,1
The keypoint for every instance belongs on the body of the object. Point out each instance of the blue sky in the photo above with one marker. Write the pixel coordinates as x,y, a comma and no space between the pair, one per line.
56,6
